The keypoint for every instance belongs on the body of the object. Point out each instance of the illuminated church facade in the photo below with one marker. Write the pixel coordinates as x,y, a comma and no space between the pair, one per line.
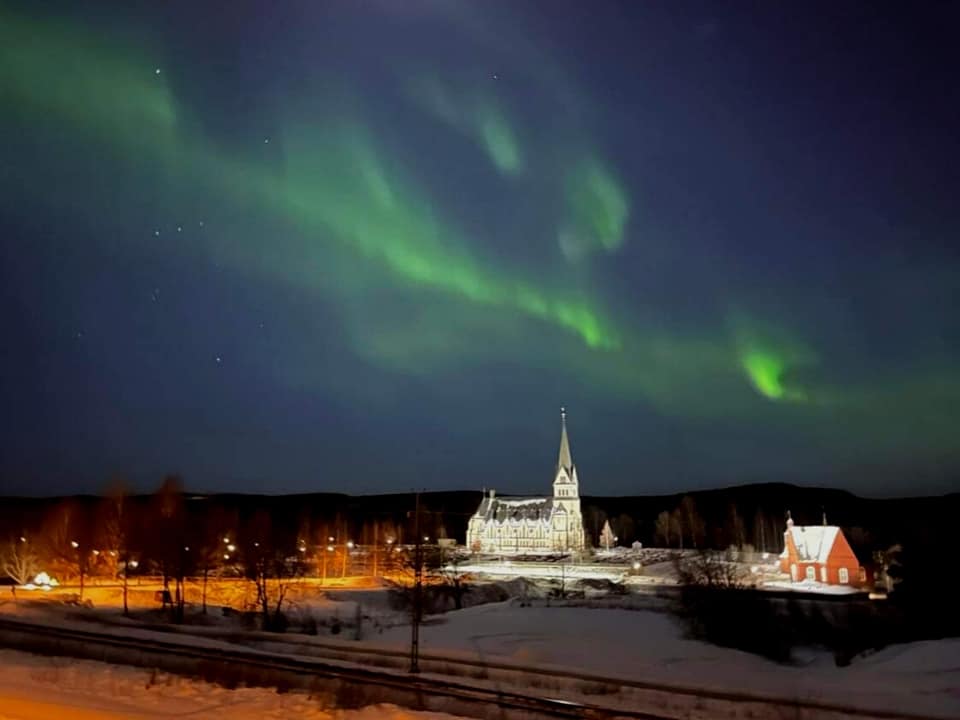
512,525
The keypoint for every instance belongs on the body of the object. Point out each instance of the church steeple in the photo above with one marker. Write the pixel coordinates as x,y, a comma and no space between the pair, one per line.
564,460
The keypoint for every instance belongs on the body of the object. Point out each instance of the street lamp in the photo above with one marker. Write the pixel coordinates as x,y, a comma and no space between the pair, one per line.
323,581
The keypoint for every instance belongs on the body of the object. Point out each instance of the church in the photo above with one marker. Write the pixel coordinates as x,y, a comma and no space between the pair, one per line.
532,524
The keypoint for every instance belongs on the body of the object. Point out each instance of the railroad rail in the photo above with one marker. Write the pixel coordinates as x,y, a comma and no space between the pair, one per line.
344,678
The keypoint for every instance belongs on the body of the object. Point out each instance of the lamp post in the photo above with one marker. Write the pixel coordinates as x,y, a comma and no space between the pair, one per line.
327,549
346,551
417,591
81,563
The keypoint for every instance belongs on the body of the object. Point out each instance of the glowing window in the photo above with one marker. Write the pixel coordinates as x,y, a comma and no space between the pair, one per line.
844,576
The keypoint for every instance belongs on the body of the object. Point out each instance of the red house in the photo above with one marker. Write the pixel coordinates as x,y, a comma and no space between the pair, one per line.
820,553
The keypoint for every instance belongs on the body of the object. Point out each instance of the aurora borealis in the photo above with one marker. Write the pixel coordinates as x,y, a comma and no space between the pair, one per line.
374,246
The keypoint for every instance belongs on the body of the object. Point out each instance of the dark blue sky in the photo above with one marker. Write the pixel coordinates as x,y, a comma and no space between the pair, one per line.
370,246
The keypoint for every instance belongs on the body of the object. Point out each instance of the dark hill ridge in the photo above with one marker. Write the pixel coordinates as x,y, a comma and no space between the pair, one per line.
761,510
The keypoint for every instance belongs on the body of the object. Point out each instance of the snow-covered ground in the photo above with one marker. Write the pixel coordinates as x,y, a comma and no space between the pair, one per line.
551,571
643,645
42,688
810,586
650,646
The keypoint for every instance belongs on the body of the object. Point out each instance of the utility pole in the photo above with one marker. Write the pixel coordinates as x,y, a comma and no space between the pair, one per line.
376,546
417,591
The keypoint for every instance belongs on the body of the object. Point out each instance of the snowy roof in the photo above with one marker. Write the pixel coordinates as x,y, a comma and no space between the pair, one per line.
516,501
515,508
814,542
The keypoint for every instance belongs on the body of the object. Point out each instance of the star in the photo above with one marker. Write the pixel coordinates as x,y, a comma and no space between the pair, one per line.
80,335
156,71
156,233
179,228
496,77
266,140
156,294
219,360
201,223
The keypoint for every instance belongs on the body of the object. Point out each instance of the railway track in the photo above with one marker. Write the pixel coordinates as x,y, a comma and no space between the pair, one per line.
236,665
351,676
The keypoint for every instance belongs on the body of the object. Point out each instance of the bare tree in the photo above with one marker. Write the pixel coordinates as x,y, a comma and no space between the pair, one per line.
68,539
19,560
692,520
735,531
272,562
594,518
441,573
625,528
676,527
113,530
215,535
169,541
716,570
662,529
760,530
453,580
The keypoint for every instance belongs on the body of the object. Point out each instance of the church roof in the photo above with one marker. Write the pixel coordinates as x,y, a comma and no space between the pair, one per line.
502,509
813,542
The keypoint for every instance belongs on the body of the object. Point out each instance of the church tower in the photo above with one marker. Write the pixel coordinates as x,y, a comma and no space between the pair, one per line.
567,519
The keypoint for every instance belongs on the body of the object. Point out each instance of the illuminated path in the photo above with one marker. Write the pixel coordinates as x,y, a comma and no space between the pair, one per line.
14,707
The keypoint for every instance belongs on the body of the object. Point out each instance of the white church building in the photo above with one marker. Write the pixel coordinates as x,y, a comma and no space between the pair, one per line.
511,525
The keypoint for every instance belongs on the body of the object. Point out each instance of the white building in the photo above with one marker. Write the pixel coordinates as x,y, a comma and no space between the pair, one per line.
533,524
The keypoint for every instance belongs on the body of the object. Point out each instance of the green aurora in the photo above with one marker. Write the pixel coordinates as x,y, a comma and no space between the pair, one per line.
416,288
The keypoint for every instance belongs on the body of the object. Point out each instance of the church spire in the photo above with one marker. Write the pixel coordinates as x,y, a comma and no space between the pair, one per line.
564,460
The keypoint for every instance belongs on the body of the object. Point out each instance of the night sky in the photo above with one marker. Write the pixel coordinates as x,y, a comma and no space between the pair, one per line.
370,246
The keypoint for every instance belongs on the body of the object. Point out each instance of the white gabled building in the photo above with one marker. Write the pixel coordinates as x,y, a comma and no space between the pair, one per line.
533,524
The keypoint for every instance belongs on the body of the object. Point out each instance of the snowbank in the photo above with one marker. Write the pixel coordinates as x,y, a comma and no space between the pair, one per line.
34,687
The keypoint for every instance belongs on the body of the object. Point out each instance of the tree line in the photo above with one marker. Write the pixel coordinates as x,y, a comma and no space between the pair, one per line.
175,536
